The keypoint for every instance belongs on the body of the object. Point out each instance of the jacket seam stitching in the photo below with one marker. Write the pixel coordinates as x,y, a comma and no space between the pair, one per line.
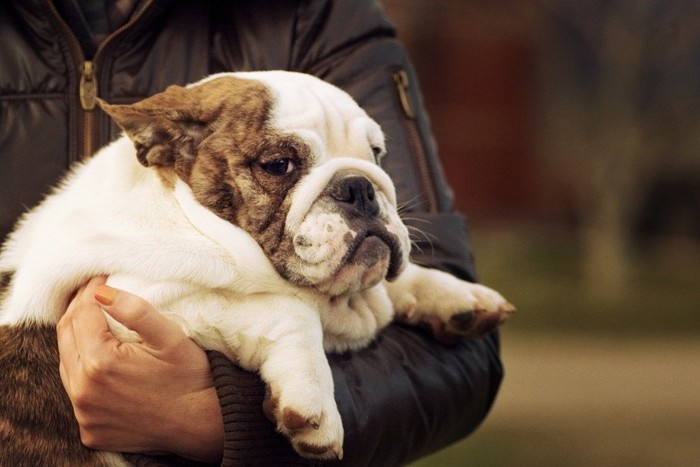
32,96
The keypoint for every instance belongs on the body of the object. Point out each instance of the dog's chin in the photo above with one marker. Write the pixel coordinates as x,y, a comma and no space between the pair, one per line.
366,265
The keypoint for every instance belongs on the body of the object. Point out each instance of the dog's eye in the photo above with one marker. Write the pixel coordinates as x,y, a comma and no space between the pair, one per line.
378,153
278,167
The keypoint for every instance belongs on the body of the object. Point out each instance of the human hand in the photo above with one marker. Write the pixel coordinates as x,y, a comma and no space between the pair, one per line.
152,396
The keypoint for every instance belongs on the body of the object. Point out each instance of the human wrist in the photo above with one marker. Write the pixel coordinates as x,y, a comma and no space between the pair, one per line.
199,434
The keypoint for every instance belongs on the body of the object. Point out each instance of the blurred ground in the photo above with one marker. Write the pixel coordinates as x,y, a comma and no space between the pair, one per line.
590,380
582,401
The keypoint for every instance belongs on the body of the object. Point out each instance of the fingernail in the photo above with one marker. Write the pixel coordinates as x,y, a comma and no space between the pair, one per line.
105,294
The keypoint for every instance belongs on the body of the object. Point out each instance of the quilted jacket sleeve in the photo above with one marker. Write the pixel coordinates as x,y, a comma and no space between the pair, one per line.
401,398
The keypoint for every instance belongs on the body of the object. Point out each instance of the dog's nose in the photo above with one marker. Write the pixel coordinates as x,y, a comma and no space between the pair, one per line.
358,195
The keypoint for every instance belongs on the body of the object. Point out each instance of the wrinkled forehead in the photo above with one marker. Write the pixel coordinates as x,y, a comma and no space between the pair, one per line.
325,117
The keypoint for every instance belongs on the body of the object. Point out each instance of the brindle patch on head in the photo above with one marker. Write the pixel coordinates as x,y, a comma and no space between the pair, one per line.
239,171
217,136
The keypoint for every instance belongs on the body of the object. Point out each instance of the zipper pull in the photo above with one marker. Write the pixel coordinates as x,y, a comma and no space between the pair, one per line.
402,85
88,86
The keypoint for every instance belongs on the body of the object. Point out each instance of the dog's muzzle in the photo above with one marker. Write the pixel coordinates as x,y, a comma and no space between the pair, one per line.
351,238
358,203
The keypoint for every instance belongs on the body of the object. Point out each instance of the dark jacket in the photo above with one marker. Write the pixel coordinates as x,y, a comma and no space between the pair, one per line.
402,397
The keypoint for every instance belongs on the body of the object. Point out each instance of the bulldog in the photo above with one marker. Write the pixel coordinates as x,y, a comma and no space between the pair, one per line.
251,209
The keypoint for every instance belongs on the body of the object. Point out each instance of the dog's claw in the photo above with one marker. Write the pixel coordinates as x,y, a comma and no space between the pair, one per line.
476,322
486,323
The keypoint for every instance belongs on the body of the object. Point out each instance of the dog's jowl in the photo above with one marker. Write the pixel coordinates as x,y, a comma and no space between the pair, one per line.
251,208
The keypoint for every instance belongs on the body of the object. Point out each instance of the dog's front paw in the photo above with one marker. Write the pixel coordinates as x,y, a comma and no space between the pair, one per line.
312,424
453,308
473,311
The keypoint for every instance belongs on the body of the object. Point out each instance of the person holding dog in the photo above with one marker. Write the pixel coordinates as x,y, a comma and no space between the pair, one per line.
165,400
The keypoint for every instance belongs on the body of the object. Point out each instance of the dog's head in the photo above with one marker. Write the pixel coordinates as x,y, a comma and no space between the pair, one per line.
288,158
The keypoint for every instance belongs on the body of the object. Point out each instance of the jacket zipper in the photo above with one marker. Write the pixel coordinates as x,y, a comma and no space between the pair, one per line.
89,87
88,90
403,85
88,97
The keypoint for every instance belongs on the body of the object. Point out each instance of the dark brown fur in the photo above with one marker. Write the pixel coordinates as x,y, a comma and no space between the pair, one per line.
37,426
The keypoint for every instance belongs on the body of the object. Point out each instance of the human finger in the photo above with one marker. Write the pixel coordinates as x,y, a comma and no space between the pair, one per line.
87,322
137,314
65,332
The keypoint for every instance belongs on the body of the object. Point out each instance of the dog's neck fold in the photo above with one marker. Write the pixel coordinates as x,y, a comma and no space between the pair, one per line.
251,261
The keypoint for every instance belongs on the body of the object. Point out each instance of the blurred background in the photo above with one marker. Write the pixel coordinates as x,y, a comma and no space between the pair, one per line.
570,132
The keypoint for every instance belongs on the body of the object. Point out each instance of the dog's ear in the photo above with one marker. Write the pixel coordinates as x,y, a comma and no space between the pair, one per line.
165,128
